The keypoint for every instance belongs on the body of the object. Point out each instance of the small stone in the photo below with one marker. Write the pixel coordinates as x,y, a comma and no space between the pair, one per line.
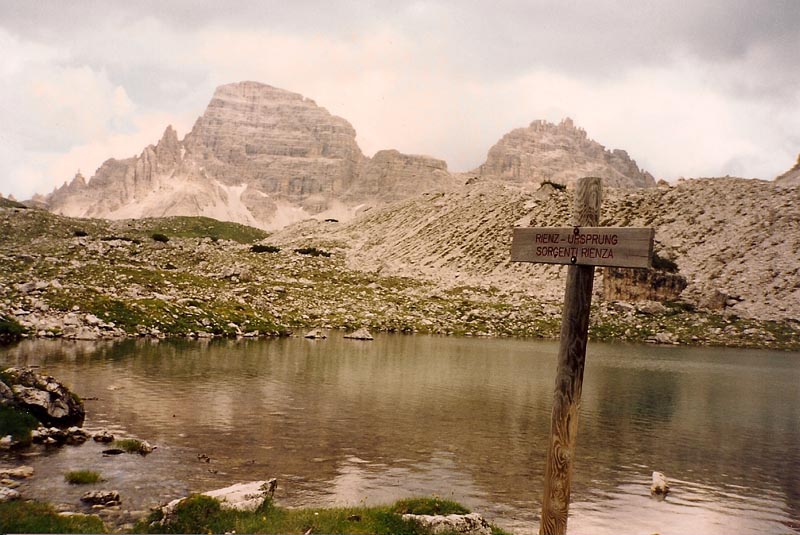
103,436
7,495
316,334
101,497
22,472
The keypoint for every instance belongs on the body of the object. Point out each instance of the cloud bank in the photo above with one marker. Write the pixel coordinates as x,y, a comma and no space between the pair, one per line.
706,89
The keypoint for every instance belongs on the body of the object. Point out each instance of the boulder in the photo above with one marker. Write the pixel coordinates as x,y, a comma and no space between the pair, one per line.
239,497
472,523
49,401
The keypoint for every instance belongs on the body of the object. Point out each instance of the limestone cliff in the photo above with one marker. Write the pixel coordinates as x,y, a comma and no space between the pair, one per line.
560,153
392,176
258,155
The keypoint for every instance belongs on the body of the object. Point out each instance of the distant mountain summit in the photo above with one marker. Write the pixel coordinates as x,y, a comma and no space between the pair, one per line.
267,157
560,153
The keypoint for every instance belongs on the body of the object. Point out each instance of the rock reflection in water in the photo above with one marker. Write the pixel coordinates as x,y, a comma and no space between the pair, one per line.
340,421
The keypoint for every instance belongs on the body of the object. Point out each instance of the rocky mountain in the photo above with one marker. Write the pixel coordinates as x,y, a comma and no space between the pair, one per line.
560,153
266,157
790,177
260,156
735,241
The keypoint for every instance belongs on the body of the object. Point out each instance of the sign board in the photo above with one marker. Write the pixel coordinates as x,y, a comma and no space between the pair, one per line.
584,246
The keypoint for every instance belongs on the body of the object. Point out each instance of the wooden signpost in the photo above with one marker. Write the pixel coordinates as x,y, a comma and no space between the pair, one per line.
582,247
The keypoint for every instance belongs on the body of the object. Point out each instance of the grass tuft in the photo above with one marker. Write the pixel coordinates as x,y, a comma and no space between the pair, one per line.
82,477
312,251
10,329
32,517
157,236
17,423
429,506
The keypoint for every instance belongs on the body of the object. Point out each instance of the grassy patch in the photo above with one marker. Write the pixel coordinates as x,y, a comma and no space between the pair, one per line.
10,329
82,477
131,445
17,423
204,227
201,514
32,517
429,506
157,236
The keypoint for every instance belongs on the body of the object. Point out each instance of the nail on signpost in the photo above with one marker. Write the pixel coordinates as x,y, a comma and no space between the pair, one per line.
582,247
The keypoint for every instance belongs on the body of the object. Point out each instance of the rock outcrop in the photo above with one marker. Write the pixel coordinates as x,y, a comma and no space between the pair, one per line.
41,395
561,154
392,176
790,177
621,284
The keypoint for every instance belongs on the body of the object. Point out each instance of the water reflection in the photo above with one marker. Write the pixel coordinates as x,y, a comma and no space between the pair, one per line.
342,421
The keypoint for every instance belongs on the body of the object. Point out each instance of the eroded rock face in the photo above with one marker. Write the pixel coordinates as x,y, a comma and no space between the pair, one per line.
790,177
45,398
562,154
625,284
391,176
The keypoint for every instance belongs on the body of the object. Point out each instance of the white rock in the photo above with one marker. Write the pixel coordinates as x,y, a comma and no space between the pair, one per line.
472,523
659,485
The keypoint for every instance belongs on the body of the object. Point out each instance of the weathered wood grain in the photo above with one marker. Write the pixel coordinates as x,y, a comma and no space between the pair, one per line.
569,375
590,246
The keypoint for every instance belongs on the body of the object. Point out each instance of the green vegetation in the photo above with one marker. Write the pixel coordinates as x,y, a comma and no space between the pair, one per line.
17,423
32,517
429,506
10,329
8,203
131,445
201,514
259,248
157,236
312,251
203,227
82,477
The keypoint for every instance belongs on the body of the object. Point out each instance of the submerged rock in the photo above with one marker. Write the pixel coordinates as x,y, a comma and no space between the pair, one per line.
316,334
361,334
7,495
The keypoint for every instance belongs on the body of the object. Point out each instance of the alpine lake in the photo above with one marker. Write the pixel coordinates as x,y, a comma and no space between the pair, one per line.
347,422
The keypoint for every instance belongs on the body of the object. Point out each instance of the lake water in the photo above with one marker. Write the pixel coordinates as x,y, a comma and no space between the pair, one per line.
346,422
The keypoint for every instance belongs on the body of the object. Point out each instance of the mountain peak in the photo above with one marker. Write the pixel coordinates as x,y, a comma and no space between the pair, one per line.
560,153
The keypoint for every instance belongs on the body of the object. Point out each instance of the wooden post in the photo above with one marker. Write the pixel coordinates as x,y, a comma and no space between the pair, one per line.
569,376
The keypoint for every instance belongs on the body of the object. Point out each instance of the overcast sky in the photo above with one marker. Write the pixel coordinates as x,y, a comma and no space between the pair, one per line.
704,88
